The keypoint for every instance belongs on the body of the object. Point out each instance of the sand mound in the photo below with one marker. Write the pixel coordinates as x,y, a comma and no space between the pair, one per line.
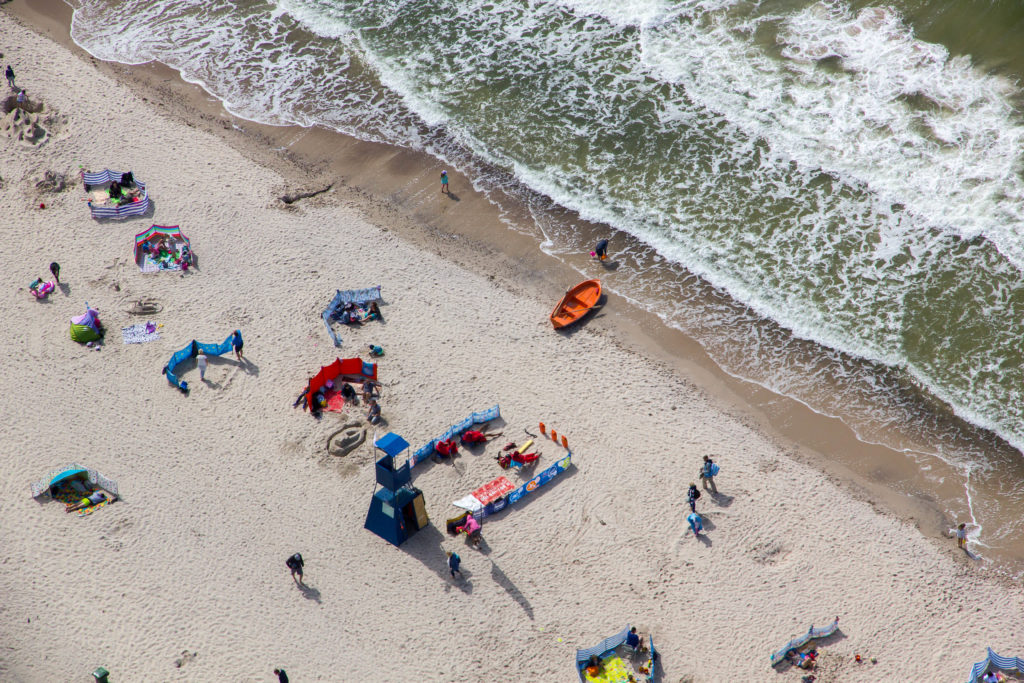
23,127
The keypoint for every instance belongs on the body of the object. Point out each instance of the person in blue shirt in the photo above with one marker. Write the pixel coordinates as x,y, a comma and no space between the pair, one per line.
632,639
696,523
453,564
708,472
236,343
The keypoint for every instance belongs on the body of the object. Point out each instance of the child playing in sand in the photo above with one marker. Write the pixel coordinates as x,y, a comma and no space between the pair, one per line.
295,563
373,416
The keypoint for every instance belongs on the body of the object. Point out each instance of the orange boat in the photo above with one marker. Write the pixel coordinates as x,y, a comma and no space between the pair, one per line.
576,302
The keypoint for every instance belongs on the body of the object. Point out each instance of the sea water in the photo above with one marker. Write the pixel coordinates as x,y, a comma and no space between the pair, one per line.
828,195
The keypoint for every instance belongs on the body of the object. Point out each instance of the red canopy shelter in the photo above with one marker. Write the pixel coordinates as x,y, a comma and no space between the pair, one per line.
348,369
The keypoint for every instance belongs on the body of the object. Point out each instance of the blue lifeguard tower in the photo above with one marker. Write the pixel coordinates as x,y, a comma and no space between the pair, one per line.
397,510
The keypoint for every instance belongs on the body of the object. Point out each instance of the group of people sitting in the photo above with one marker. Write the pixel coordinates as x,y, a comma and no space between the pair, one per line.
370,394
164,257
123,191
41,289
358,314
803,660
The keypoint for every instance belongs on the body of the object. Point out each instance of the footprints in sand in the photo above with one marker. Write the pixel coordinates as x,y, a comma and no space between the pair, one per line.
236,317
769,553
185,658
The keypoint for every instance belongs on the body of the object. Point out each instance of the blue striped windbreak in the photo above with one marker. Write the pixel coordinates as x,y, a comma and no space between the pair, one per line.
105,176
582,656
780,654
1002,663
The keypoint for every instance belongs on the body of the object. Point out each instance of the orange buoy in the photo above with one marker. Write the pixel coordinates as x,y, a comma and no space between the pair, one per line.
565,442
554,435
543,429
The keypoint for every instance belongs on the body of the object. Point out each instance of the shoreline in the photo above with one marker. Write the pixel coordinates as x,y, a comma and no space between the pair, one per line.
183,579
394,187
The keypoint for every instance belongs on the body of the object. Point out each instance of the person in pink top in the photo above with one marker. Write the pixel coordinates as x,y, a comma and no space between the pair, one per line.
472,529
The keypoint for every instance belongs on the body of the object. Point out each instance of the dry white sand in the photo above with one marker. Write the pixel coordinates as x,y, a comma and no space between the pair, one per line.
219,487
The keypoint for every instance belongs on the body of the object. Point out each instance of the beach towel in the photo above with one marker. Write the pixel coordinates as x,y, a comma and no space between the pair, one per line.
613,670
335,401
140,333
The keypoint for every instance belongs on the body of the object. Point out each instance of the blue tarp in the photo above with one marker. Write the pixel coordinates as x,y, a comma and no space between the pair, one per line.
191,351
1001,663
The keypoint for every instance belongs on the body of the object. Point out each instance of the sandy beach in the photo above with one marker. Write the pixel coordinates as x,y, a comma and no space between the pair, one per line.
183,579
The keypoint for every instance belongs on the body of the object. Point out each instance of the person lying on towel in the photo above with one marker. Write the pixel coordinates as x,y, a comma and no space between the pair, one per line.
94,498
474,436
521,459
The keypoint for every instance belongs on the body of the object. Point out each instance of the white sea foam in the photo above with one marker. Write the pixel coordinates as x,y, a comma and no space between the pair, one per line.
894,113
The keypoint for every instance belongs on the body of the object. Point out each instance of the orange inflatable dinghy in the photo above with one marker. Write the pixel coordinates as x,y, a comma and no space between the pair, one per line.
576,302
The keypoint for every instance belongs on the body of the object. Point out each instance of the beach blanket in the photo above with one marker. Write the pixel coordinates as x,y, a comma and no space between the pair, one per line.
140,333
73,497
613,670
335,401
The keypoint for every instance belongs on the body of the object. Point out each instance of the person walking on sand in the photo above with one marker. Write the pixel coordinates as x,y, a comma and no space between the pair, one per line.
55,269
236,344
453,564
695,522
9,73
21,99
708,472
691,497
282,677
444,178
296,564
961,536
201,363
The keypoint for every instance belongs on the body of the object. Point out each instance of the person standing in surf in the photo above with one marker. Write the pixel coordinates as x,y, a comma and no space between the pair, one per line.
961,536
444,183
601,250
